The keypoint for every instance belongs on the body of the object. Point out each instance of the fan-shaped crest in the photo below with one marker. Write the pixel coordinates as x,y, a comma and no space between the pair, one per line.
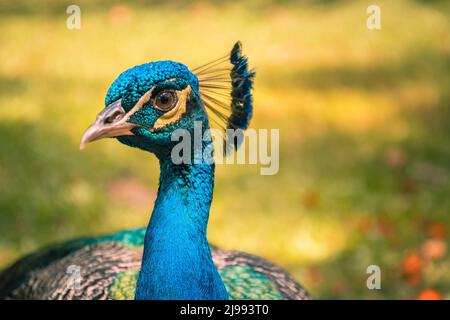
225,86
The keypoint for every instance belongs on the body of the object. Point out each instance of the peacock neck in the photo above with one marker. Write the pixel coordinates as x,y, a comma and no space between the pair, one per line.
177,261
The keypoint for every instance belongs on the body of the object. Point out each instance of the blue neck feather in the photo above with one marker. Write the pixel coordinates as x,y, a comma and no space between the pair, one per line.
177,262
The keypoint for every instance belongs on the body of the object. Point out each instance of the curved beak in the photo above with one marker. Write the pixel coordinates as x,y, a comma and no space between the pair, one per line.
110,123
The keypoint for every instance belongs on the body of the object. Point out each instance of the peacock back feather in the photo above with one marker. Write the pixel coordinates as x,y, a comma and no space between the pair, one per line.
109,268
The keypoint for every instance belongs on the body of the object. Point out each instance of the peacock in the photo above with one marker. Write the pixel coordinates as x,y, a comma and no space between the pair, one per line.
171,258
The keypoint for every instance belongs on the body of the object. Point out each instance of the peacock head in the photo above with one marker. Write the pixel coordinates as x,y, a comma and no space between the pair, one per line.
147,103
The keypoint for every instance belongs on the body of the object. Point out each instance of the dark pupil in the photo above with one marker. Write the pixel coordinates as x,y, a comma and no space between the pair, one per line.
164,99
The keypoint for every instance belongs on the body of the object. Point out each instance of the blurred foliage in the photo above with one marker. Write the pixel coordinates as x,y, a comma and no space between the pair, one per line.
364,119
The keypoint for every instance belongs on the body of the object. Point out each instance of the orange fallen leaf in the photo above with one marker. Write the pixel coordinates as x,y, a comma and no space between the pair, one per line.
434,248
412,263
429,294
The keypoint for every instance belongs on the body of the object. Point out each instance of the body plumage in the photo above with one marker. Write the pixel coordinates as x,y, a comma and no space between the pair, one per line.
110,267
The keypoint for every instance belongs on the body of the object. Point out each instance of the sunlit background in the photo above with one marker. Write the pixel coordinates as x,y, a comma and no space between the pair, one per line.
364,129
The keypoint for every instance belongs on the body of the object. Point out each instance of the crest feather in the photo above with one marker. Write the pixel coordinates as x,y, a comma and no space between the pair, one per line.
225,86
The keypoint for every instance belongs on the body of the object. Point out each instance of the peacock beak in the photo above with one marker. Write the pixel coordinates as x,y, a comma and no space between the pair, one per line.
110,123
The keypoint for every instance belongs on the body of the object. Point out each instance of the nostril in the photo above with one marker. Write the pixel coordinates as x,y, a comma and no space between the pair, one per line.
115,116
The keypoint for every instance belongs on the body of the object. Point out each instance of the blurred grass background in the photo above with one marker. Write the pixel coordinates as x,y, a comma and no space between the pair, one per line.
363,116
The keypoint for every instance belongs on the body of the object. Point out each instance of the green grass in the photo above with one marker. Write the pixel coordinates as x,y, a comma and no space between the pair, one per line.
363,117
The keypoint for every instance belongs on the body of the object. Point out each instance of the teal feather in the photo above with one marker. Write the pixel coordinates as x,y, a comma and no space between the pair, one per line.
43,275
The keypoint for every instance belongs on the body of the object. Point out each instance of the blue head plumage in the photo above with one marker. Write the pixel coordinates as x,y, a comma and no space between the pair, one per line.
134,82
154,124
137,116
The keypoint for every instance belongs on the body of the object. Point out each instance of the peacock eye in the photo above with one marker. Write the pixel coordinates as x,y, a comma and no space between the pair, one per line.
165,100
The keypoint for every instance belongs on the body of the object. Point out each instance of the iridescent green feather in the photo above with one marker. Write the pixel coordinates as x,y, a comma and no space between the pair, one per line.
124,285
128,238
244,283
245,277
